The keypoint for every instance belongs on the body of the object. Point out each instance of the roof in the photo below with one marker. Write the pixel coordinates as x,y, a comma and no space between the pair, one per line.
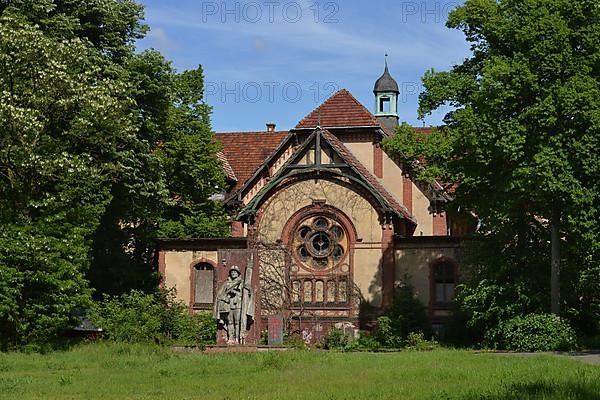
358,167
229,173
340,110
347,155
386,83
245,152
424,131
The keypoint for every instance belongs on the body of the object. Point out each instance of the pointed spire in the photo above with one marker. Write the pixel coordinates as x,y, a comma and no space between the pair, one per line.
386,83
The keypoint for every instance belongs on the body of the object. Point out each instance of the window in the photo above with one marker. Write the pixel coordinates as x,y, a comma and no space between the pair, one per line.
320,243
443,283
318,293
384,105
204,285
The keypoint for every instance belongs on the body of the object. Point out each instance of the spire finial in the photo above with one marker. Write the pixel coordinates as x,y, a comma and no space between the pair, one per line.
386,56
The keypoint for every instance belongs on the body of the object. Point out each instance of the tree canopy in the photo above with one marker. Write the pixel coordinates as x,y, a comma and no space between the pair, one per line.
102,150
522,143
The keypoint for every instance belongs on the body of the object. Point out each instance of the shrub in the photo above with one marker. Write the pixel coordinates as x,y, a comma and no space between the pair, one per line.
196,329
336,339
485,305
533,332
365,342
294,341
416,341
407,315
155,317
386,334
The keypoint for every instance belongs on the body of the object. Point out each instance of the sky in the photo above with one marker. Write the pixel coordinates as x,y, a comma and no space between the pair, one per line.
276,61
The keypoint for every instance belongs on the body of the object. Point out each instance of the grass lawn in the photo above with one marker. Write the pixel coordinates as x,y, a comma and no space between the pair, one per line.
116,371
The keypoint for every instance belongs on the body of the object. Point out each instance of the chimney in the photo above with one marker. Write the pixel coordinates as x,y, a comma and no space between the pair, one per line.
270,127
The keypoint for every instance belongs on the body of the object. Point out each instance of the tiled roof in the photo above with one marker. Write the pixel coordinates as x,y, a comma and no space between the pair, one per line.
424,131
246,151
353,161
341,109
226,167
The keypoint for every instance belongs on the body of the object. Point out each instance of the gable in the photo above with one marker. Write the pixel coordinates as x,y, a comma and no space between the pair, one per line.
340,110
323,156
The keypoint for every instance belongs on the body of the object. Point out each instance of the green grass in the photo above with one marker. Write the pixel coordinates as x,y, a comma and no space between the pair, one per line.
117,371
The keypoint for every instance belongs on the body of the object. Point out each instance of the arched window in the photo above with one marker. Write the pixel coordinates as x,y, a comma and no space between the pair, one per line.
443,282
320,243
204,285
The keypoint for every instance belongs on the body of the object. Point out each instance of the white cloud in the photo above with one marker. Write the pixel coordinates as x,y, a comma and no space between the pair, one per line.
414,44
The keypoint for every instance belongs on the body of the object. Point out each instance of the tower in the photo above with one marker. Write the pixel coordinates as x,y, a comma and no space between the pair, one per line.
386,99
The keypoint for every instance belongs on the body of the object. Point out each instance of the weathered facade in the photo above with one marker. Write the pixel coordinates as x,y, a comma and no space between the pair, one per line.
331,222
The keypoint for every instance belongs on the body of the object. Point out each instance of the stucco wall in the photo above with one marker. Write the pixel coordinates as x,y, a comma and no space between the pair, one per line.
392,178
363,151
367,273
280,207
421,211
413,264
392,181
177,270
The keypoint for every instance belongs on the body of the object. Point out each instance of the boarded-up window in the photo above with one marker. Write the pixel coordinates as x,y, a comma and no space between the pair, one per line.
296,292
319,291
308,292
204,290
444,281
342,291
331,292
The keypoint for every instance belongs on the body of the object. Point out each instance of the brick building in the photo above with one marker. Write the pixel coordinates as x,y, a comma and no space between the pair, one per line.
331,223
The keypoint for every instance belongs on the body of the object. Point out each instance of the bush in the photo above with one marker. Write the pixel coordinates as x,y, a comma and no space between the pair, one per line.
368,343
533,332
196,329
485,305
336,339
407,315
387,334
416,341
155,317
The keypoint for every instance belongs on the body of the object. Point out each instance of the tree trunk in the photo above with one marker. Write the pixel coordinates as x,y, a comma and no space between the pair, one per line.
555,267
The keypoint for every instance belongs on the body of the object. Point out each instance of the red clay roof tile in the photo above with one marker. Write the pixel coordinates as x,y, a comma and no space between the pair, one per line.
246,151
229,173
341,109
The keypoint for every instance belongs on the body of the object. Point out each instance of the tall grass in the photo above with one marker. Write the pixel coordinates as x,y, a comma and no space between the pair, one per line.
119,371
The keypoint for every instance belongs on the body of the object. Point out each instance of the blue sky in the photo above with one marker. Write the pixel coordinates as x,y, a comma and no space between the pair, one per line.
275,61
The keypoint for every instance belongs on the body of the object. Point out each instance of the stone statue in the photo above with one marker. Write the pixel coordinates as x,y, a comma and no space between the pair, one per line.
234,308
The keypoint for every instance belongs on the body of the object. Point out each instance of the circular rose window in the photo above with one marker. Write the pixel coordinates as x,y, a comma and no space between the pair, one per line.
320,243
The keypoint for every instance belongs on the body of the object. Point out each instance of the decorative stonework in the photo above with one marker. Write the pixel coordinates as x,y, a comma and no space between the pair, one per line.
319,243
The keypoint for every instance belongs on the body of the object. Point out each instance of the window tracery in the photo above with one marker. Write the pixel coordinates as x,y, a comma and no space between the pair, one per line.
320,243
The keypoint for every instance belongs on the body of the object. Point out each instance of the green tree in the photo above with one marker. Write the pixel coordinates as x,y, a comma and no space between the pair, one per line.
103,150
108,26
189,161
522,143
58,116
